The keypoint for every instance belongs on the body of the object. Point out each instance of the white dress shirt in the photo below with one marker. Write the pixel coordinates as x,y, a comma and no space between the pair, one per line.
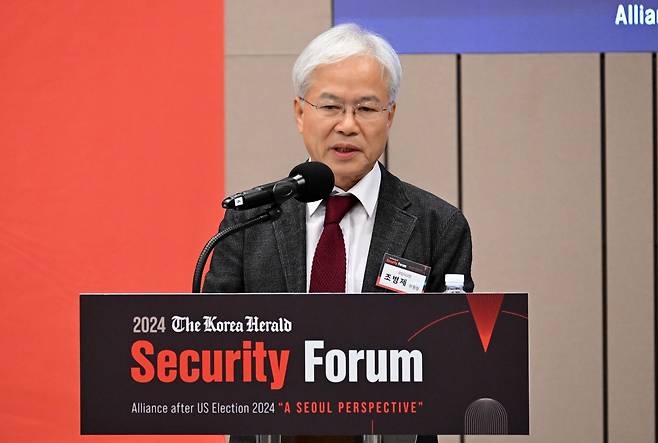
356,226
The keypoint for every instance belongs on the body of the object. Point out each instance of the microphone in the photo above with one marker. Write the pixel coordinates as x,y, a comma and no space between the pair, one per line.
307,182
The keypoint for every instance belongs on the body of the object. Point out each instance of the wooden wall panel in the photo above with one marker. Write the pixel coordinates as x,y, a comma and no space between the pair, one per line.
262,142
532,190
423,141
263,39
272,27
629,182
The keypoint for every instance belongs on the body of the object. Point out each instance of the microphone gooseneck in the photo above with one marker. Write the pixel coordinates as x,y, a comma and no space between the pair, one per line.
307,182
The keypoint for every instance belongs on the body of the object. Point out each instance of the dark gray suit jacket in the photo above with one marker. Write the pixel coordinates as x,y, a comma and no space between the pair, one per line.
409,223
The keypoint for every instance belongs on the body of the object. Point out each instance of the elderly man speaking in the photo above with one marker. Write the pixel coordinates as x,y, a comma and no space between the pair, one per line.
346,82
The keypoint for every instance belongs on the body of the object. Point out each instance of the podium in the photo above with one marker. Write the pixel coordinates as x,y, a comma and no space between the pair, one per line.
304,364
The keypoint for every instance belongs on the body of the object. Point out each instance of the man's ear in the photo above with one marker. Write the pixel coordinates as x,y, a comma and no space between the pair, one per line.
299,114
391,114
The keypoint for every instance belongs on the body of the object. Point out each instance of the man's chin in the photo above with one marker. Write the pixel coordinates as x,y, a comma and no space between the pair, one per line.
346,179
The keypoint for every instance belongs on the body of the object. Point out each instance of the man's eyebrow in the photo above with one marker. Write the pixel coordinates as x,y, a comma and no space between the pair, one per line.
369,98
365,98
329,96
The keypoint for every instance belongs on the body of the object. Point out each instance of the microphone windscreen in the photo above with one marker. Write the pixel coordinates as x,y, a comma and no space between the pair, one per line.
319,181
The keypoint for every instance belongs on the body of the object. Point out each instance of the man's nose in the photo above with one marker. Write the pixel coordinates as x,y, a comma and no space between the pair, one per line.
347,124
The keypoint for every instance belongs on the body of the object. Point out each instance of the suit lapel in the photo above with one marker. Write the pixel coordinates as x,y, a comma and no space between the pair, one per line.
393,227
290,234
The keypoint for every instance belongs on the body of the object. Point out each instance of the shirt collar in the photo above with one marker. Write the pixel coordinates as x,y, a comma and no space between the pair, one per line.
365,190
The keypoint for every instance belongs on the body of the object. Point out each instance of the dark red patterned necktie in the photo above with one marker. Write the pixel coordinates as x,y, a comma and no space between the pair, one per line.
329,262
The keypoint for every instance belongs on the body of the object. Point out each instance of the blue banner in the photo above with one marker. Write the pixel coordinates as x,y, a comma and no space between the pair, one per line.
512,26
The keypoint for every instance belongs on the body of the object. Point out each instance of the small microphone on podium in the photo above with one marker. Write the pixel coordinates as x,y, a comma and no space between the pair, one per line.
307,182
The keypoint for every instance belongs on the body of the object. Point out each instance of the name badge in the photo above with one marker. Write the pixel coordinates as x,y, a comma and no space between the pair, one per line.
401,275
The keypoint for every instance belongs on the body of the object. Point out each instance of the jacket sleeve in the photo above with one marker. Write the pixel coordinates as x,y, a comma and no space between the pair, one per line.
226,273
453,253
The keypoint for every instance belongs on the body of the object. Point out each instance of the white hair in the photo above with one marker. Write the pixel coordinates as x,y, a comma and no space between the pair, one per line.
341,42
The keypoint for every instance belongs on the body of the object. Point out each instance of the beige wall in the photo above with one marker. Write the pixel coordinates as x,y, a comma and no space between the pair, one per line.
263,39
550,214
630,246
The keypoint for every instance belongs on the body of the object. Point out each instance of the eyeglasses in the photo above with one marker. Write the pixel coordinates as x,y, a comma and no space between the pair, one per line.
361,111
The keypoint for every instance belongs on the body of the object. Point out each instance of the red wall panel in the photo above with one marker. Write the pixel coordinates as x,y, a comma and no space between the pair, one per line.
111,130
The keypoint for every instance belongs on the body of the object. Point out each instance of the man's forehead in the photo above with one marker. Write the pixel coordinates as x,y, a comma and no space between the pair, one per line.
355,78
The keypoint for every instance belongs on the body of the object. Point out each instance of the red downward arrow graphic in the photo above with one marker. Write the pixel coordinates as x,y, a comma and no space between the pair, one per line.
485,309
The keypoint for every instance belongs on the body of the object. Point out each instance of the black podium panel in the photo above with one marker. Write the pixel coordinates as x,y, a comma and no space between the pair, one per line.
295,364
